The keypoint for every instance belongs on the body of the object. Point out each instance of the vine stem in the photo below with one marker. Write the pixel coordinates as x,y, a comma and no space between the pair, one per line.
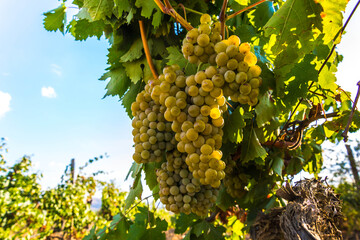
168,9
244,9
222,18
345,133
146,49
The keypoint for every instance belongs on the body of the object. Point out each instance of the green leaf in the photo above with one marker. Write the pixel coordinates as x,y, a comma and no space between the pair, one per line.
120,230
55,19
293,22
99,9
134,70
158,232
183,222
234,125
175,57
150,174
147,7
332,18
251,148
200,228
265,110
157,17
135,51
118,83
130,96
135,192
83,29
138,229
224,200
122,6
134,170
277,165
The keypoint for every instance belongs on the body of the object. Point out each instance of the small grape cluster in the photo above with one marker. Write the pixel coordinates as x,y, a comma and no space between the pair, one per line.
198,45
238,66
179,190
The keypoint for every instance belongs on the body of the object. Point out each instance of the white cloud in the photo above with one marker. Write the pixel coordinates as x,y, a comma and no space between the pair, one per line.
48,92
56,69
4,103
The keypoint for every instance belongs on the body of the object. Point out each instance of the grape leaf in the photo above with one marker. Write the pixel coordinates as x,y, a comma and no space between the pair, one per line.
265,110
120,230
122,6
130,96
138,229
200,227
157,232
135,51
157,17
55,19
327,78
261,15
99,9
251,148
147,7
118,83
224,200
134,70
332,18
277,165
184,221
82,29
176,57
150,174
293,22
135,192
234,125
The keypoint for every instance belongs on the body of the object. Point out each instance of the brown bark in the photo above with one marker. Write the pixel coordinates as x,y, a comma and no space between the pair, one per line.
353,166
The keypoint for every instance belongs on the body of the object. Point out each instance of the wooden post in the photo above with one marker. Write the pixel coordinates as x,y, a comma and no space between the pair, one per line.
353,166
72,178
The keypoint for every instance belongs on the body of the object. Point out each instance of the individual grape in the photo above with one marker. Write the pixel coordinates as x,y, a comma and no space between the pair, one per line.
203,40
198,51
244,48
243,66
232,64
231,51
222,59
193,59
205,18
250,59
245,89
191,36
241,78
220,47
234,40
254,82
229,76
187,49
204,28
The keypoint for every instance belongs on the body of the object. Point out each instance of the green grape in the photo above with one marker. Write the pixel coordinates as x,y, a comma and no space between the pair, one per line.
192,35
232,64
243,66
244,48
245,89
204,28
250,59
198,51
203,40
220,47
241,78
221,59
187,49
205,18
229,76
254,82
231,51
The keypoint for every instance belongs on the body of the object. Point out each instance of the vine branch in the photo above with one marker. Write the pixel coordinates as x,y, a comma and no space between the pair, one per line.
345,133
244,9
146,49
222,18
168,9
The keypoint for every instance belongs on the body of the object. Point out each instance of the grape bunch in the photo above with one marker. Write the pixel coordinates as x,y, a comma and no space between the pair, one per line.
179,119
152,134
179,190
198,45
237,64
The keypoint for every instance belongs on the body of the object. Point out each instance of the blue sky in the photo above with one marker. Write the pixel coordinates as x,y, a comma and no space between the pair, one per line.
51,104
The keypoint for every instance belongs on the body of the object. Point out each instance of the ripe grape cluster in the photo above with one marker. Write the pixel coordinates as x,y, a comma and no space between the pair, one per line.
198,45
179,190
179,119
238,66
